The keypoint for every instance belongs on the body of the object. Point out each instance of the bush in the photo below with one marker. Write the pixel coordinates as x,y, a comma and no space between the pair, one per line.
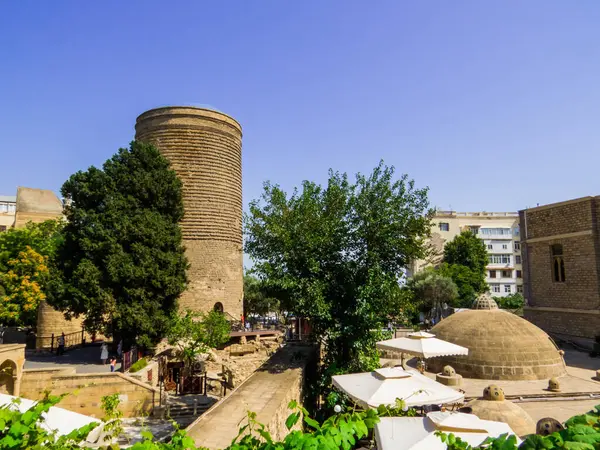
138,365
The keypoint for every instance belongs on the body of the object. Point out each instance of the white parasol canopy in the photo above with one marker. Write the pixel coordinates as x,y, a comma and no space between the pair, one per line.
422,345
418,433
56,419
384,386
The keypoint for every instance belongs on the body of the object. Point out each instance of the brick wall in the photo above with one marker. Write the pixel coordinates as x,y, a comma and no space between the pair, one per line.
574,226
86,390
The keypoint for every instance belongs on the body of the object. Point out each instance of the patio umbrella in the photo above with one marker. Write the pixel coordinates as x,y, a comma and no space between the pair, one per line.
418,433
423,345
384,386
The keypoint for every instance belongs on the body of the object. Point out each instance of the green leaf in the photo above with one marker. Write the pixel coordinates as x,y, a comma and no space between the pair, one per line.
292,420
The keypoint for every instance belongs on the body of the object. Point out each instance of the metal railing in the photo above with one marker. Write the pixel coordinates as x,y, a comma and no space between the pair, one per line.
72,340
129,358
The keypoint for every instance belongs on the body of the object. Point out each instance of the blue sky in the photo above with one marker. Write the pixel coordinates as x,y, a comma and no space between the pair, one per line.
493,105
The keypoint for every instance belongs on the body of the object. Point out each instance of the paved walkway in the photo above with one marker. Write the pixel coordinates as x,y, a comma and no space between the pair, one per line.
262,393
84,360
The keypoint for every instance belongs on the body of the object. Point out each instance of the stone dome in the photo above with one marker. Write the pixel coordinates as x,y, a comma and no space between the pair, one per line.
502,346
485,301
500,410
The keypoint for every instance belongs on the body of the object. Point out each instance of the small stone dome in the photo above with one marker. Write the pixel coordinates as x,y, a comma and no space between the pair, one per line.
502,346
493,393
553,385
485,301
547,426
504,411
448,371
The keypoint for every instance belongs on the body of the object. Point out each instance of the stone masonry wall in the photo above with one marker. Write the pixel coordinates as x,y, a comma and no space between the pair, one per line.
554,306
205,149
86,390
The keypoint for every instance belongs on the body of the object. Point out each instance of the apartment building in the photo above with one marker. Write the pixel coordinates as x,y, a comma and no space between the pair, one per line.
8,209
499,232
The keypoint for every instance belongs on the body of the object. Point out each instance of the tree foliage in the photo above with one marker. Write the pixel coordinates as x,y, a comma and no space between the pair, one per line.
336,253
257,299
465,261
513,301
194,333
22,286
121,262
25,254
431,291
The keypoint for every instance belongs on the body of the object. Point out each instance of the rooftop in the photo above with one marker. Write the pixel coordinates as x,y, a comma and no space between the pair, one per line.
8,199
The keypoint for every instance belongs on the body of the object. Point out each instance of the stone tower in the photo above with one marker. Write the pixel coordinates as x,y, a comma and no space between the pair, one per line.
205,149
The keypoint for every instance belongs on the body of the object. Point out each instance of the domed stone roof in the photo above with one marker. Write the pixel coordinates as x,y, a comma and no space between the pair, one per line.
485,301
502,346
493,407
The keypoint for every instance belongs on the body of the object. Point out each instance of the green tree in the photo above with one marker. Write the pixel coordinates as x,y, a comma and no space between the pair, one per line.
194,333
465,261
431,290
121,262
337,253
22,288
513,301
25,254
257,299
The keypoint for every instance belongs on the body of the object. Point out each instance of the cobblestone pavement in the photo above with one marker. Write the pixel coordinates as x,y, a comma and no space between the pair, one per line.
84,360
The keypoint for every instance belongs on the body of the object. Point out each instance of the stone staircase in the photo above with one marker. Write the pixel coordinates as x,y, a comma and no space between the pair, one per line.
183,407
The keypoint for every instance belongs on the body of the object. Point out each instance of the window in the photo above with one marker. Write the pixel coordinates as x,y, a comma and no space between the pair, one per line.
499,259
492,274
517,246
504,247
517,259
507,288
490,247
218,307
507,274
444,226
520,289
495,288
558,263
496,231
517,230
519,274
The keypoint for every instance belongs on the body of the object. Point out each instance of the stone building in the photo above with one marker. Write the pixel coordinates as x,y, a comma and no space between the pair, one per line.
36,205
205,149
500,233
561,268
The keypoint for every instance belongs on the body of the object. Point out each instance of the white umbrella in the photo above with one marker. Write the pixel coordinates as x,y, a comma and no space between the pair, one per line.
422,345
384,386
56,419
418,433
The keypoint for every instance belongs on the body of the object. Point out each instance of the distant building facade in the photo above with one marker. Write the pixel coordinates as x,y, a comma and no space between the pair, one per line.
500,233
561,267
8,208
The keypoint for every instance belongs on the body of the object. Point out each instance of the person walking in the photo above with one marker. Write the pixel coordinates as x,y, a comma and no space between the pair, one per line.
104,353
113,363
61,344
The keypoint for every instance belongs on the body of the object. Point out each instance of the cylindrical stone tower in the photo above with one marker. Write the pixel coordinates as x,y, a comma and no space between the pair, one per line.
205,150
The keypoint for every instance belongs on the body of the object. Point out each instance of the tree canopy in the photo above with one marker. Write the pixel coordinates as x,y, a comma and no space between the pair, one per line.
257,299
465,261
431,291
337,253
121,262
25,254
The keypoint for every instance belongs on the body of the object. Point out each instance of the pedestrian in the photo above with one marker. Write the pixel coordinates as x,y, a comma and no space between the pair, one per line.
113,363
61,344
120,348
104,353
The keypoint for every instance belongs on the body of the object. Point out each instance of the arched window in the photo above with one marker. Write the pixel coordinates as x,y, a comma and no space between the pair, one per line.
558,263
218,307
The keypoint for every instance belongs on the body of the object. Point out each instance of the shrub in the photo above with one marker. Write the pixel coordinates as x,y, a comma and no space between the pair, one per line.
138,365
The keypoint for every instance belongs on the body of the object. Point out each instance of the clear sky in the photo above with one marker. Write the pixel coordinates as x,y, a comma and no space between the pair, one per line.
493,105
